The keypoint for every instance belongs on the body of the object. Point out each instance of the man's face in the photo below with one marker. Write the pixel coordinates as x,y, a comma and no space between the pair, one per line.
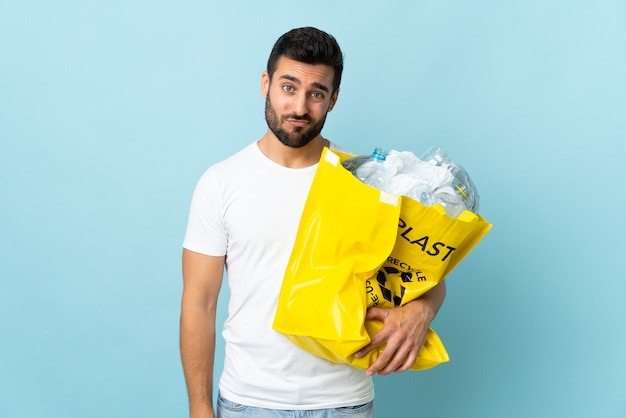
297,99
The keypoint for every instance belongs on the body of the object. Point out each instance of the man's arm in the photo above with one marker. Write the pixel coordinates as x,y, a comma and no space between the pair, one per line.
202,279
404,331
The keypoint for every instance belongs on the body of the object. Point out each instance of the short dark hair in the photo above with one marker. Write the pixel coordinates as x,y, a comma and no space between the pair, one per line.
310,46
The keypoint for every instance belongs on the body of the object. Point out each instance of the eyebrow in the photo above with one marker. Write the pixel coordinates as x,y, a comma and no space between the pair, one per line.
297,81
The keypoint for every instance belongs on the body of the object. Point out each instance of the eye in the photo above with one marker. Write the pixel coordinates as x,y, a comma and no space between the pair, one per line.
318,95
288,88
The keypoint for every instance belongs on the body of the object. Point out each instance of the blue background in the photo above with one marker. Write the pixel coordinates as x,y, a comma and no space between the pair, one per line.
111,110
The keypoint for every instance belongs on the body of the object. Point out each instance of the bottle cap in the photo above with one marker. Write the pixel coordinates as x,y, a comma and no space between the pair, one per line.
379,154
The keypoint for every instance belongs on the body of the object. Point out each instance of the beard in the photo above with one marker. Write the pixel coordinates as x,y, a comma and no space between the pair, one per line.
300,136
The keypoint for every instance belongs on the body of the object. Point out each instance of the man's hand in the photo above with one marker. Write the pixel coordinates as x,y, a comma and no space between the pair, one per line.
404,332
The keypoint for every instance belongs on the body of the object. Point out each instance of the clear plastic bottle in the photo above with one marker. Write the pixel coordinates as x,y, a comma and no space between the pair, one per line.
462,183
369,168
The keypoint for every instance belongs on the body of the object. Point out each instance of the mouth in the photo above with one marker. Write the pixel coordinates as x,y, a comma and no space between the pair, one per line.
298,121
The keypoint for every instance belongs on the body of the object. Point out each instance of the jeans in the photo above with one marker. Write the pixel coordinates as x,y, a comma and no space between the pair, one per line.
228,409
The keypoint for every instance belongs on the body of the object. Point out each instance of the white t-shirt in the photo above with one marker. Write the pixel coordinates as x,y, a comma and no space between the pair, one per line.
248,208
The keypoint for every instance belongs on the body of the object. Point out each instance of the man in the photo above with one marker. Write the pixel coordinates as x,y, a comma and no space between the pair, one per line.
244,217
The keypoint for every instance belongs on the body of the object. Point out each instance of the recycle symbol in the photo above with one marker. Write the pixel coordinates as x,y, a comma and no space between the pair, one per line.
383,276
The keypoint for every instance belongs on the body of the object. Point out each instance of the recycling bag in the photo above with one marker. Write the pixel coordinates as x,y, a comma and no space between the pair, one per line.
358,247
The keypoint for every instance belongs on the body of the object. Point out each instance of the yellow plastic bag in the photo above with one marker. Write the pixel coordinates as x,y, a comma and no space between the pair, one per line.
359,247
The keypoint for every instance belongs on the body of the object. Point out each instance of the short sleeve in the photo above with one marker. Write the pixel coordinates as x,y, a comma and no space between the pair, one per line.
206,233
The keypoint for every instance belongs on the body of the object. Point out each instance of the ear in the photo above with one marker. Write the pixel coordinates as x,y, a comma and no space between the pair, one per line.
265,84
333,100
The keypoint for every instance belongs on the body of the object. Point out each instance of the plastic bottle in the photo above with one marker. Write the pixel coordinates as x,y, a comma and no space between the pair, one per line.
462,183
369,168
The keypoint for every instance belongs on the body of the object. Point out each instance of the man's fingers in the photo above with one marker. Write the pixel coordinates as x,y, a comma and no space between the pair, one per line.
400,362
364,351
376,314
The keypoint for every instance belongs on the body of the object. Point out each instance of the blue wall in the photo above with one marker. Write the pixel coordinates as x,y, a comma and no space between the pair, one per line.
111,110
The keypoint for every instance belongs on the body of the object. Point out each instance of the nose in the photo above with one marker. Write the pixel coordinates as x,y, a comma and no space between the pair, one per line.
300,105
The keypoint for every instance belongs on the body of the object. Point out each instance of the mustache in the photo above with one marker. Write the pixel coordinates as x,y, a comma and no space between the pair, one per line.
298,117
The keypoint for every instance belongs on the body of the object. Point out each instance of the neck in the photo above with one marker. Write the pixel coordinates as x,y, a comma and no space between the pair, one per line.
305,156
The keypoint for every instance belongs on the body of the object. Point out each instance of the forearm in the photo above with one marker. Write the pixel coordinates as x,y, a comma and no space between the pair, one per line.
202,277
433,299
197,348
